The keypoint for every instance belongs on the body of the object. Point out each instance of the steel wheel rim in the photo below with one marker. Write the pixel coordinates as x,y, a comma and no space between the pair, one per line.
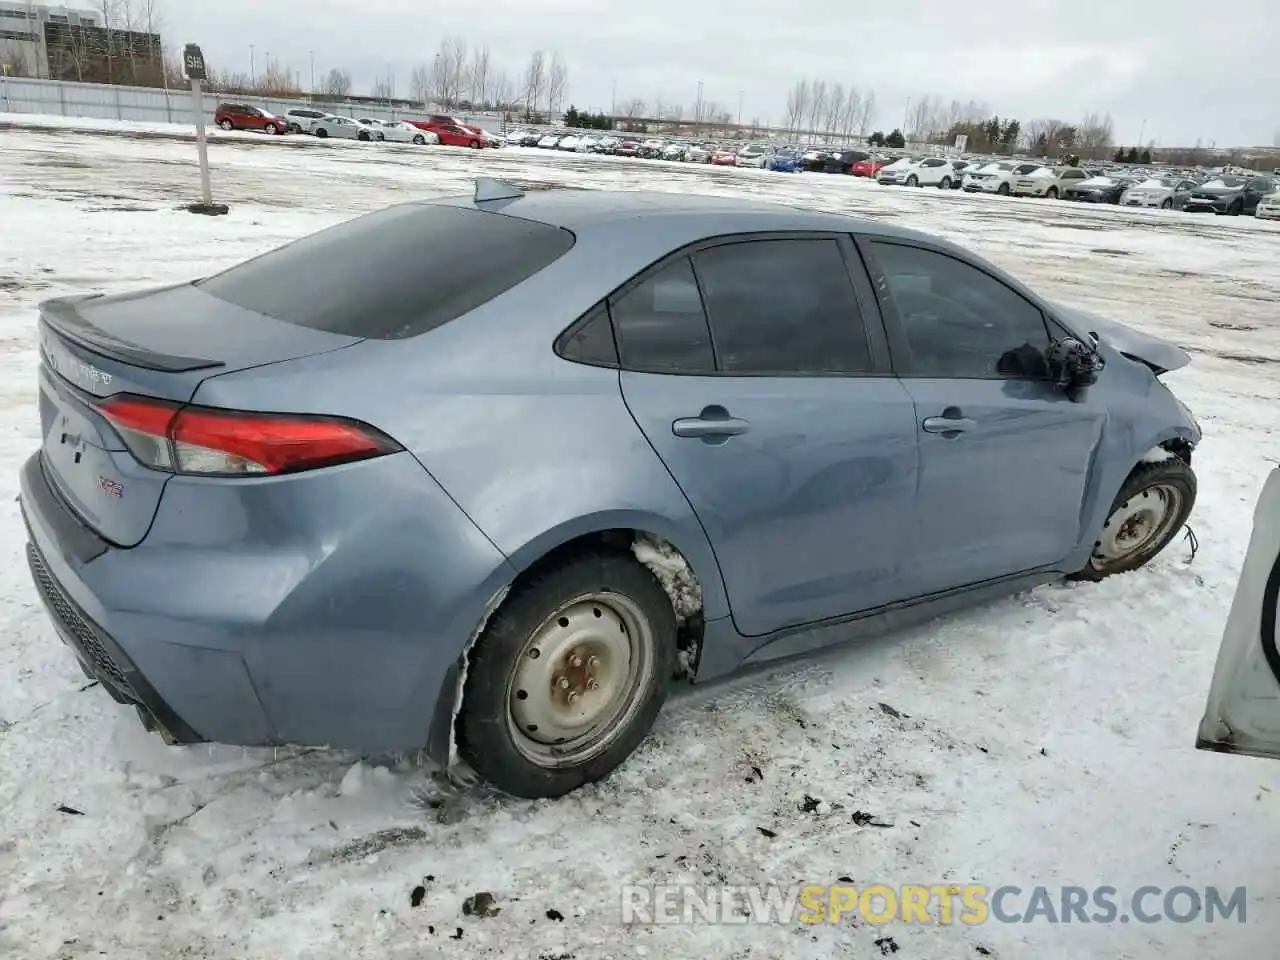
572,691
1144,519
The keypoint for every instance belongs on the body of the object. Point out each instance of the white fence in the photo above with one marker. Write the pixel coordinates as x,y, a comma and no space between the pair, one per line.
151,105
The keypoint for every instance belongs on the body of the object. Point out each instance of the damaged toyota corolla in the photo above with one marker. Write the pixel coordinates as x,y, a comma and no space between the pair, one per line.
301,502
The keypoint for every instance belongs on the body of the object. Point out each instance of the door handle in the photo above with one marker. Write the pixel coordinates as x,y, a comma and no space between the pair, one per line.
948,424
713,423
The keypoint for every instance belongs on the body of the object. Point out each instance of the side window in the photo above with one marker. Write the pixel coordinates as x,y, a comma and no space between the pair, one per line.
783,307
591,341
661,325
960,322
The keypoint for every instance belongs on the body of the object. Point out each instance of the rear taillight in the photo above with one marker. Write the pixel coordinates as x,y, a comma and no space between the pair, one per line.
212,442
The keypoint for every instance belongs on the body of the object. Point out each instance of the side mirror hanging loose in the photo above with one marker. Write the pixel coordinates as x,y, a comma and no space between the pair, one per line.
1073,366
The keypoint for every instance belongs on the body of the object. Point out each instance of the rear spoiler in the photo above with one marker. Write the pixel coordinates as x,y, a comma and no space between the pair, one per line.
62,315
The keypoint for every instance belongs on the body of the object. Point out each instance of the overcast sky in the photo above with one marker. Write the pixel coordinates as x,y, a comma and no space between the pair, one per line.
1190,70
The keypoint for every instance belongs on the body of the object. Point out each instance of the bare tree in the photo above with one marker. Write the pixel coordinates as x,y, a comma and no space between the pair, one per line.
867,115
150,20
480,75
336,83
535,81
110,10
847,121
797,105
1094,134
450,71
557,80
817,102
503,90
420,84
14,61
382,89
834,108
632,108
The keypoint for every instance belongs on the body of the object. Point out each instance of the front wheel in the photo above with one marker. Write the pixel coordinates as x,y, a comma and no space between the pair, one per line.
1051,193
270,129
382,138
474,144
362,137
568,676
420,140
321,132
1147,514
944,183
1235,209
227,125
913,181
1004,190
1167,205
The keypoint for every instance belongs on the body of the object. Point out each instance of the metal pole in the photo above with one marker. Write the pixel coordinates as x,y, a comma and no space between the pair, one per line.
253,68
313,73
740,107
202,144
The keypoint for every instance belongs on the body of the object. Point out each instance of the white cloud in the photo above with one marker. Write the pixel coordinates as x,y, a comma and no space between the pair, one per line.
1190,71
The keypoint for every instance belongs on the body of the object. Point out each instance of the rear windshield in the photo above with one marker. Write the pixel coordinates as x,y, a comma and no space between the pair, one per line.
392,274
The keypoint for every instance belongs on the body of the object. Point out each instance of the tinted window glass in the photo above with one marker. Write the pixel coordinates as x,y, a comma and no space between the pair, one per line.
395,273
783,307
962,323
661,325
591,341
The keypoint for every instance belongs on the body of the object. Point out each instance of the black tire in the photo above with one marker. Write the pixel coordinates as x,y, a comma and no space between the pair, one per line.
293,128
944,183
913,181
1235,209
321,132
474,144
382,137
484,728
271,129
362,137
1051,193
420,140
1144,482
227,125
1003,190
1167,205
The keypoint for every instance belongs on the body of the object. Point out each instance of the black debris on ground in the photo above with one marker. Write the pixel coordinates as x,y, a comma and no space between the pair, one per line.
480,905
417,896
555,915
766,832
863,819
844,879
894,712
887,946
70,810
810,804
456,935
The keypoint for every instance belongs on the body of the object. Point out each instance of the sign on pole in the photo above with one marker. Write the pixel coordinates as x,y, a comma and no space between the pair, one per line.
194,67
962,141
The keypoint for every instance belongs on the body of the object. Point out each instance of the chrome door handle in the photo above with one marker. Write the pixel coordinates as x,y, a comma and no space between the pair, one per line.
948,425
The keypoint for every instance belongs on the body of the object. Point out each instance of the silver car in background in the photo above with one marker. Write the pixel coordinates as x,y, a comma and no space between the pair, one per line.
344,128
1168,193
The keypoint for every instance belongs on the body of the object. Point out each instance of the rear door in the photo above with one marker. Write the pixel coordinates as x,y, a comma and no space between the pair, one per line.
751,371
1242,713
1005,456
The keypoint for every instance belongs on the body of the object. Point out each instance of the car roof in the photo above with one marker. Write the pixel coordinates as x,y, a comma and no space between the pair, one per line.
675,219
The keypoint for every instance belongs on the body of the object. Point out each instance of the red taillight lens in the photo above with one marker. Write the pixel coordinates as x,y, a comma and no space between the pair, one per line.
212,442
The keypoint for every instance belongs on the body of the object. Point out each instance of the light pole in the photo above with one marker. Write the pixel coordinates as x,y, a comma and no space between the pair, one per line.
253,68
697,107
313,73
906,112
740,107
613,100
1143,135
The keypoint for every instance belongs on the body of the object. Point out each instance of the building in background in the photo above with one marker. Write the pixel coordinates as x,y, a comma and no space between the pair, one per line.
68,43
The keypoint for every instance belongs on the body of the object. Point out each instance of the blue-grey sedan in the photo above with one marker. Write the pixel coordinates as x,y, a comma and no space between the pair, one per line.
484,476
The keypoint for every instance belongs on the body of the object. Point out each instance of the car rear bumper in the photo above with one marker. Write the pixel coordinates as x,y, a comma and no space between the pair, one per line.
298,616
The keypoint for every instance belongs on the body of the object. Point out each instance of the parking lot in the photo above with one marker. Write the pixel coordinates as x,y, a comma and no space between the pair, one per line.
1050,734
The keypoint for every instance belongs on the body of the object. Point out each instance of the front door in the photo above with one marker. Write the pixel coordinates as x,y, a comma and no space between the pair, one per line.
751,373
1005,455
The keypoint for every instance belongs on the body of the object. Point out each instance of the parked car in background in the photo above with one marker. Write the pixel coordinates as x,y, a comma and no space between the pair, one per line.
300,119
867,166
896,171
402,131
997,177
679,150
703,522
700,152
550,141
815,160
1097,189
569,143
652,148
343,128
931,172
1268,207
1168,193
725,157
588,143
1047,182
452,133
843,162
1229,194
240,116
754,155
627,147
960,168
784,160
609,145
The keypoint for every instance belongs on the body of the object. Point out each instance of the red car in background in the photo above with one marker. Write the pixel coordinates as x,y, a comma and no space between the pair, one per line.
452,133
725,158
627,148
869,167
240,116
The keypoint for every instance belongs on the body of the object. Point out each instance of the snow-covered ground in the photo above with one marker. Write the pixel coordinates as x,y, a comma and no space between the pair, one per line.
1044,740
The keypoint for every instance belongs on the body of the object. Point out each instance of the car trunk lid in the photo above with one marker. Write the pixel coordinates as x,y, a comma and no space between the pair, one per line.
157,343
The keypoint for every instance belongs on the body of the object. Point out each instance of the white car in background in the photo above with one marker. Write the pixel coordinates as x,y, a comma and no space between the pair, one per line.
1242,712
550,141
569,143
1048,182
1268,207
895,172
675,151
699,152
588,144
402,131
344,128
932,172
753,155
998,177
302,119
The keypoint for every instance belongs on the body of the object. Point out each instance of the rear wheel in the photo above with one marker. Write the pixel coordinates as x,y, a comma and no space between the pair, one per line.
321,132
944,183
568,676
1147,514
